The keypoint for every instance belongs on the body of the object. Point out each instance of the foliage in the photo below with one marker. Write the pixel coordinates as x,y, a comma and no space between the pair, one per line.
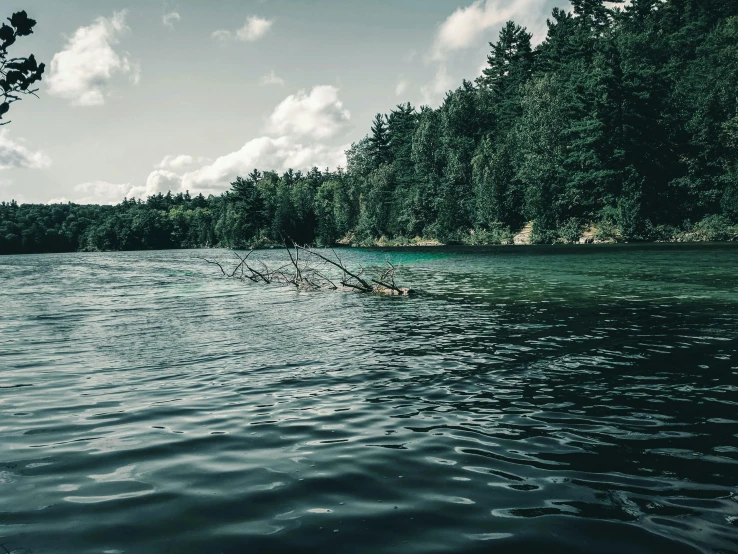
716,228
624,119
17,75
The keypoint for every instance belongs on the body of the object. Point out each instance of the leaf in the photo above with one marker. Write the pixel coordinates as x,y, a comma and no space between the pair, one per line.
22,23
7,35
13,77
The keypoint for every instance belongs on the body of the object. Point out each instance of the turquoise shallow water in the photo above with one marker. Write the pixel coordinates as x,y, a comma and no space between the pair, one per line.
527,400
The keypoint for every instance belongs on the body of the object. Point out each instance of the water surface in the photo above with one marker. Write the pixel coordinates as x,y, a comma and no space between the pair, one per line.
572,400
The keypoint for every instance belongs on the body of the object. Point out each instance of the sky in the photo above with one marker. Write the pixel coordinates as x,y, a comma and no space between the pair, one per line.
146,96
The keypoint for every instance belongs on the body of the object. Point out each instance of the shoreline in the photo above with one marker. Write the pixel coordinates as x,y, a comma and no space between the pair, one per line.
430,245
438,244
526,237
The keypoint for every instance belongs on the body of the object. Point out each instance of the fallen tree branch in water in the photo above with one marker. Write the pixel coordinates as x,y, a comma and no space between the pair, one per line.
312,271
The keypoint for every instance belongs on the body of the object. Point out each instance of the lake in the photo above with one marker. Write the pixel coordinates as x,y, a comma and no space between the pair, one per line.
560,399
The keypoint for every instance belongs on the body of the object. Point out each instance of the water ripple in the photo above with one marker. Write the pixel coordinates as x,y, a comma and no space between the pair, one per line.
557,400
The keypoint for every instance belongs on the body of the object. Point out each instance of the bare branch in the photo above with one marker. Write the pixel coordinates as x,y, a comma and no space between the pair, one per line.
308,273
339,266
213,262
258,274
243,261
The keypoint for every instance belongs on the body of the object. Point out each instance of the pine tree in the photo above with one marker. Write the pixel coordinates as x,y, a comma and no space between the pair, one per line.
510,60
401,125
556,51
379,141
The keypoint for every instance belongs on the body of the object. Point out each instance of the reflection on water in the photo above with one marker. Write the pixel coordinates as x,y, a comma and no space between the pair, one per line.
554,399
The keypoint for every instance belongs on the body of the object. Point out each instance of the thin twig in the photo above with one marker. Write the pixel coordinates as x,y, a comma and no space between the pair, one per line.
308,272
213,262
339,266
243,261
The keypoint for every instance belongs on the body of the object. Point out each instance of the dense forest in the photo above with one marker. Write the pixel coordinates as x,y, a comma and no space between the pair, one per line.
623,122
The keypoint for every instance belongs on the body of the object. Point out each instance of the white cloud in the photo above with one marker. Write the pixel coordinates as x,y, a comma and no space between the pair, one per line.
222,35
468,26
277,154
265,153
82,71
169,19
103,192
301,123
99,192
474,26
271,78
14,154
180,161
435,91
135,72
158,181
254,29
319,114
402,86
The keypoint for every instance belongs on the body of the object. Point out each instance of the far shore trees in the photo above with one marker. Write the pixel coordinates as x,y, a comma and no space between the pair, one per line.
621,125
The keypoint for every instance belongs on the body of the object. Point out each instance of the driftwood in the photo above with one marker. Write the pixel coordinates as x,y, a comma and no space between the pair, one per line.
309,269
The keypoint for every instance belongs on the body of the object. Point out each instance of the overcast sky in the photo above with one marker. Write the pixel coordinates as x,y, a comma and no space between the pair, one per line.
143,96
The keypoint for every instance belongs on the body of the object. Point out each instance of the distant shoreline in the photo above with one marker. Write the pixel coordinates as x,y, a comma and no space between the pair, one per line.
429,245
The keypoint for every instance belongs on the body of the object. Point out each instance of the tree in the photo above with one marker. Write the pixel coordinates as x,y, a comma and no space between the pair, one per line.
510,65
17,75
623,119
556,51
379,141
428,157
511,60
401,125
706,94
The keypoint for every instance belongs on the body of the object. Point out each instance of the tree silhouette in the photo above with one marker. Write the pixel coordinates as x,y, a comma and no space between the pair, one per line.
16,74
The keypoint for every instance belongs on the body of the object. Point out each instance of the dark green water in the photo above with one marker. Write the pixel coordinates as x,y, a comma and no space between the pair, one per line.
567,400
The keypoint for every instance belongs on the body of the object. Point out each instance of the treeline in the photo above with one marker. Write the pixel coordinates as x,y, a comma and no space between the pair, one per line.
261,210
623,122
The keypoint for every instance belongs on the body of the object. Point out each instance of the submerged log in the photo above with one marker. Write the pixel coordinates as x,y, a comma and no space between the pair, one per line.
308,269
401,291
